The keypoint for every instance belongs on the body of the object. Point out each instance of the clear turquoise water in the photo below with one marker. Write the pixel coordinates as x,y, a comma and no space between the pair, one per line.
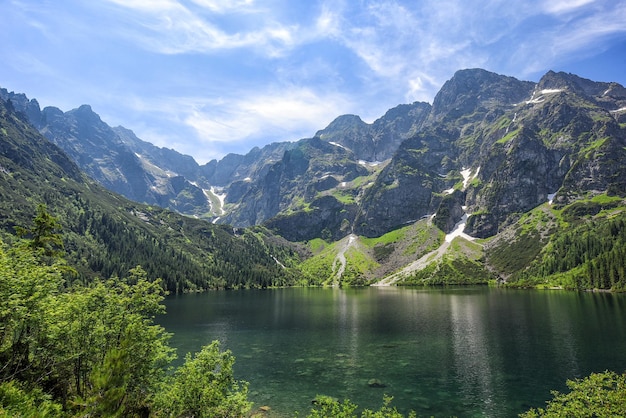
473,351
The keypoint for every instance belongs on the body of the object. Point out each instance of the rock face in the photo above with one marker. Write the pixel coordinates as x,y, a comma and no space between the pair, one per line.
289,185
562,137
118,160
380,140
450,211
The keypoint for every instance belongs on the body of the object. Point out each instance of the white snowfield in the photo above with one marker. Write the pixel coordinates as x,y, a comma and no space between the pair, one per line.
538,96
551,198
550,91
370,163
458,230
221,197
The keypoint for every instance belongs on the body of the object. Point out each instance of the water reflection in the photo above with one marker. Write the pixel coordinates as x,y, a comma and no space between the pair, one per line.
471,351
347,307
562,328
442,352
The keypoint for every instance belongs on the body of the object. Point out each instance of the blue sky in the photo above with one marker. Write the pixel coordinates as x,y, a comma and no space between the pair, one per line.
209,77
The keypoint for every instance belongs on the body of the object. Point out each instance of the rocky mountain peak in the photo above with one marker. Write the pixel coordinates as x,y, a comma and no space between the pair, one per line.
608,95
379,140
403,110
567,81
22,104
341,123
85,116
469,90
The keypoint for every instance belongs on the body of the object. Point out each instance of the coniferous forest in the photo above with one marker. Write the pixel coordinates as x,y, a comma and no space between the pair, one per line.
595,251
106,235
94,350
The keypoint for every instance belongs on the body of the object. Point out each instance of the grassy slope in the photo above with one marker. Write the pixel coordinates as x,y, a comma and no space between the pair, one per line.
368,260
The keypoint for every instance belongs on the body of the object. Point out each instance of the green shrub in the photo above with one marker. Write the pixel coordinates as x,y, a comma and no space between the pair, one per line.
598,395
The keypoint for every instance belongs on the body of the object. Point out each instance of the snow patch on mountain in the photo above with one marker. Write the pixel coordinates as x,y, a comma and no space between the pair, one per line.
369,163
457,231
538,96
338,145
216,194
468,176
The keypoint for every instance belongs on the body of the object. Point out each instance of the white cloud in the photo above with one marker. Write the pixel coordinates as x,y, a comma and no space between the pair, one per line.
274,113
419,45
574,38
210,125
227,6
169,27
294,64
420,87
558,7
328,23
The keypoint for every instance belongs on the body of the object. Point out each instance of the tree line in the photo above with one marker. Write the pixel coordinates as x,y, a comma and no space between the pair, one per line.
591,255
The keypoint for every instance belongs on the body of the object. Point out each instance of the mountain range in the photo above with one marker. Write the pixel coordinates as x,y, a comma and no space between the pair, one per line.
494,169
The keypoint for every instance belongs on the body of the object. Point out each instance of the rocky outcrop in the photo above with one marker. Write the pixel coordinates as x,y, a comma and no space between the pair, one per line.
325,218
515,176
450,211
471,94
405,189
380,140
302,175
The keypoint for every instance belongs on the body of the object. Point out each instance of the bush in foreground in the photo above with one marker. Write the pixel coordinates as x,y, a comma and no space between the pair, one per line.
597,395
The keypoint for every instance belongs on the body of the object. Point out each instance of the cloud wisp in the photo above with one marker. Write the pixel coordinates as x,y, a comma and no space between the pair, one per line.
221,75
254,119
171,27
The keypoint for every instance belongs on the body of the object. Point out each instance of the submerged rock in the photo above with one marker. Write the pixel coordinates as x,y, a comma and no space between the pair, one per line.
375,383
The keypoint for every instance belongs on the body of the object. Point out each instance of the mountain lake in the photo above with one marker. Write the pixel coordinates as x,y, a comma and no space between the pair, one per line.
460,351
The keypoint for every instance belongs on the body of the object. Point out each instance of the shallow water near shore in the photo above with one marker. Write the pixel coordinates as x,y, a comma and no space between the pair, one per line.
469,351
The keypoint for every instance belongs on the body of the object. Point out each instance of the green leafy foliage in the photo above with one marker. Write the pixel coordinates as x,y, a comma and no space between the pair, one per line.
327,407
94,350
17,401
594,252
44,233
28,288
598,395
449,271
204,386
513,255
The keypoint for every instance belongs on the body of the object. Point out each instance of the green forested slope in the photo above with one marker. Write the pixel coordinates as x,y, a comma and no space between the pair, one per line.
591,255
107,235
580,246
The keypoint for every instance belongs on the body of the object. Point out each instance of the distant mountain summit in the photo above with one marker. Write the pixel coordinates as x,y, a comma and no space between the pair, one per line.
380,140
521,141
